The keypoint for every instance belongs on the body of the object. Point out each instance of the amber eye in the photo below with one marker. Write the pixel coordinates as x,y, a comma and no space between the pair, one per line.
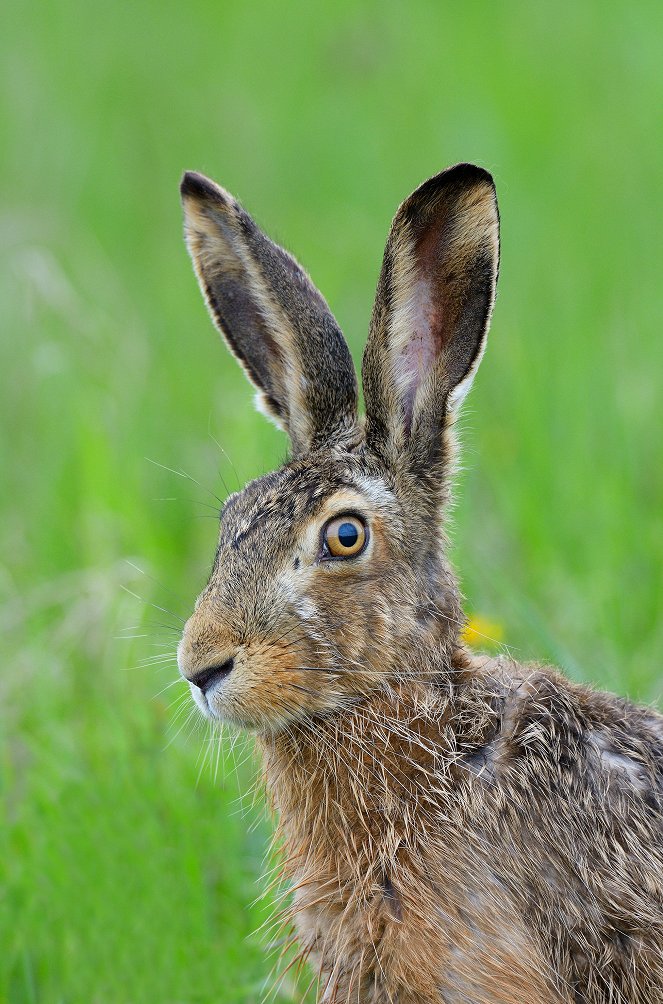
345,536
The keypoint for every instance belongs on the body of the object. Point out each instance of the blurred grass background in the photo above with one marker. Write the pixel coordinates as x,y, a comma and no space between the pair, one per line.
128,868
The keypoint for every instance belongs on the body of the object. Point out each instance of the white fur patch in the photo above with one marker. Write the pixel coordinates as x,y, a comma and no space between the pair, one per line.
620,763
462,389
375,491
260,405
306,609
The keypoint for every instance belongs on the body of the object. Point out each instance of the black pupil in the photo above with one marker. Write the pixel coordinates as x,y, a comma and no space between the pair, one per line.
348,535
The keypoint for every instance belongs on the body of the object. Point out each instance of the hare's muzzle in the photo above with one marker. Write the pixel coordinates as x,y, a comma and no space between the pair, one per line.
204,658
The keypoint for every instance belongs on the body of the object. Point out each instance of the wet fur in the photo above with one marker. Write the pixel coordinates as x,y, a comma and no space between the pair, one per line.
455,829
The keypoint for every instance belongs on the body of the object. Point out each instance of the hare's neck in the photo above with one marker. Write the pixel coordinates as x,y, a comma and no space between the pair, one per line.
356,786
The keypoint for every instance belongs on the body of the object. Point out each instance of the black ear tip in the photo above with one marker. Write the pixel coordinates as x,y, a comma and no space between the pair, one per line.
467,175
450,184
196,186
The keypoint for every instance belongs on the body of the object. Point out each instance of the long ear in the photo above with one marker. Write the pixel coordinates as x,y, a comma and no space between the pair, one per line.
272,318
431,315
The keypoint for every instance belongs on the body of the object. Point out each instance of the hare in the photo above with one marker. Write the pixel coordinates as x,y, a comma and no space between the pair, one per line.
455,828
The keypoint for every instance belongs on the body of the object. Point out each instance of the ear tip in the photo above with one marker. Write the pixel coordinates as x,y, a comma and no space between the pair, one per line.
467,174
459,182
196,186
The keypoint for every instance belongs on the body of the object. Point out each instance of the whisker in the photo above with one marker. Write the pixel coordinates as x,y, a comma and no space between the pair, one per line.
225,453
147,575
183,474
156,606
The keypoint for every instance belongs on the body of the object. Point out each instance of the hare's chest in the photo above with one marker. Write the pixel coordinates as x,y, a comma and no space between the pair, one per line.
420,932
363,941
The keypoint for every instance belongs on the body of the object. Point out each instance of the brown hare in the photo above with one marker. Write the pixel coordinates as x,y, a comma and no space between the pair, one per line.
455,828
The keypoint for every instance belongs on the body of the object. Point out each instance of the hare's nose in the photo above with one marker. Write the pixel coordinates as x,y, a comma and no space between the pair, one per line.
205,678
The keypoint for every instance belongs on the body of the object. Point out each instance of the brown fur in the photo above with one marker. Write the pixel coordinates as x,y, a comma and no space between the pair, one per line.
454,828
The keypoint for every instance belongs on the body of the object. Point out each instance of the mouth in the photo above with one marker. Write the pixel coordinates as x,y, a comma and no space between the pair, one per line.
204,698
232,718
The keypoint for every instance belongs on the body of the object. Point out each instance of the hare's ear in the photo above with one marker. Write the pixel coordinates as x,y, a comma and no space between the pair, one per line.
273,319
430,320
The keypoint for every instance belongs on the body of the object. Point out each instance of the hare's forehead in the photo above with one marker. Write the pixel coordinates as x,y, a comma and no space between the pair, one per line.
274,507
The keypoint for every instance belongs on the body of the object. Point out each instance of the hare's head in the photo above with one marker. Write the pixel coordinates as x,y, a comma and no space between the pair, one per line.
330,577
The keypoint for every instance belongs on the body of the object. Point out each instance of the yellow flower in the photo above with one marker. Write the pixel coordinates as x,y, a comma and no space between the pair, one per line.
479,632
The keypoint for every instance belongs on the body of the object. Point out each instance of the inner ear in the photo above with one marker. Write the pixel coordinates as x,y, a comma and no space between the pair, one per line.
450,296
427,328
432,307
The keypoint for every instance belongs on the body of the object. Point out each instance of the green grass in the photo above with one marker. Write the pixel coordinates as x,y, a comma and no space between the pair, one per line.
127,869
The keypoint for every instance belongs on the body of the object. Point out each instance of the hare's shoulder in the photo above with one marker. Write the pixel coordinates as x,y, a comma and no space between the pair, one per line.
569,799
547,728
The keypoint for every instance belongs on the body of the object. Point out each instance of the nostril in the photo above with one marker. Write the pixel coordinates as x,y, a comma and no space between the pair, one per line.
204,678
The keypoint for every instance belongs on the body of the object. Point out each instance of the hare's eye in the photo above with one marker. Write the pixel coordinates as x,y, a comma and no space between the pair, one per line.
344,537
